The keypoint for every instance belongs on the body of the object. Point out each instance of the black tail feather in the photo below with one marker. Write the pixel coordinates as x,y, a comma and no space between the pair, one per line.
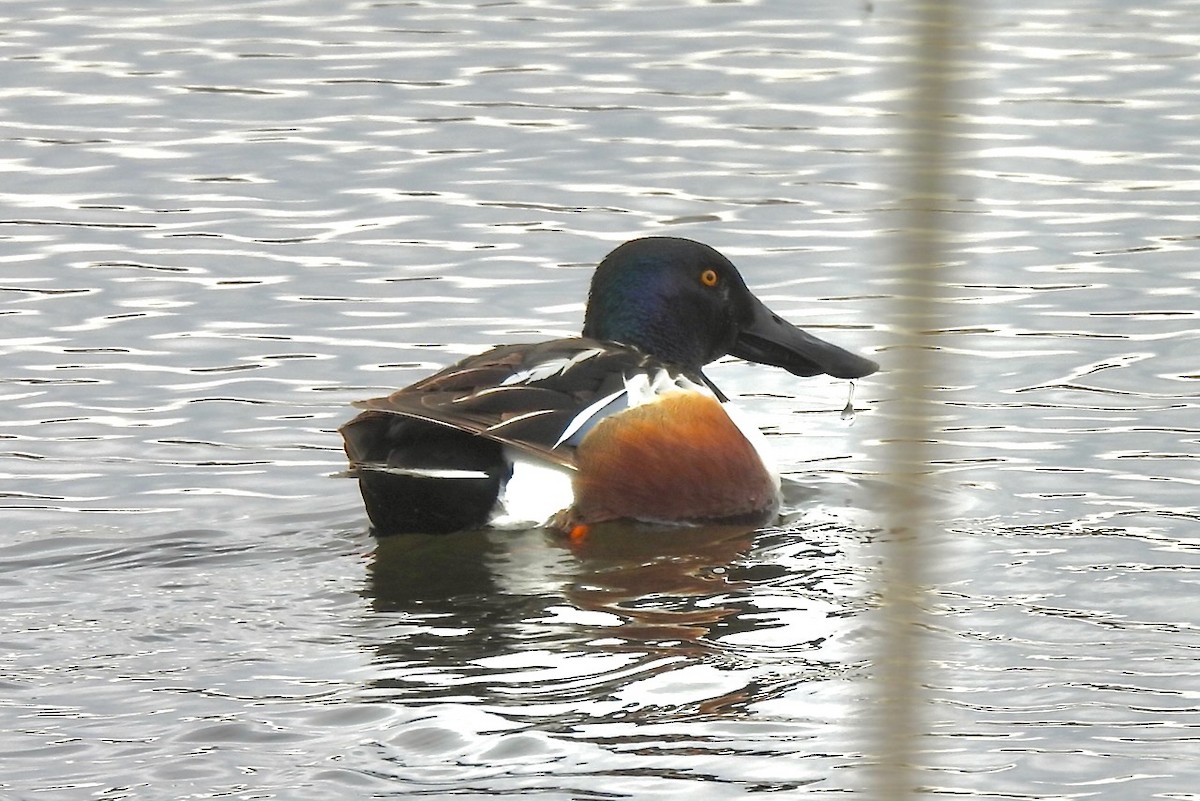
391,455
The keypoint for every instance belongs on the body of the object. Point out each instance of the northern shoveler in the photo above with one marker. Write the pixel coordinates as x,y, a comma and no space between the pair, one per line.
622,417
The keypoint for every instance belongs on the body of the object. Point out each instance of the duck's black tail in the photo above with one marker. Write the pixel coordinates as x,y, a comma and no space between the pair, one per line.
422,477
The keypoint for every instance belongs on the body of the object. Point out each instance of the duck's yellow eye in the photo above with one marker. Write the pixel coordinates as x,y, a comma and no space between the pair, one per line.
709,277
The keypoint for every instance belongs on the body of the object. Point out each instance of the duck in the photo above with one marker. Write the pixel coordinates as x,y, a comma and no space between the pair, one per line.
617,424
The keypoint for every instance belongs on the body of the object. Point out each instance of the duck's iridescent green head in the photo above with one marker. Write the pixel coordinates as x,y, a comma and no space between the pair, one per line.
684,302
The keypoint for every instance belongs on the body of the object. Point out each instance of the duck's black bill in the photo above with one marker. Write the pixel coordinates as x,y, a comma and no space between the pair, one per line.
770,339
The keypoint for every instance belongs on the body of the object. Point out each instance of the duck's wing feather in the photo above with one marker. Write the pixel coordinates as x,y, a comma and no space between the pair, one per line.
527,396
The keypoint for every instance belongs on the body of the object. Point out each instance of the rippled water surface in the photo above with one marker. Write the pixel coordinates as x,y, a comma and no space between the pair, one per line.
222,223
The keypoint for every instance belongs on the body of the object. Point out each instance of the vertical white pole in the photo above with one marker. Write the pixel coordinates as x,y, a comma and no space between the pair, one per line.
900,658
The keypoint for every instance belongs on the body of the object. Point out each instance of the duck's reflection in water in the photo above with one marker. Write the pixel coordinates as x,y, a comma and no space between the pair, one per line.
663,586
633,621
632,582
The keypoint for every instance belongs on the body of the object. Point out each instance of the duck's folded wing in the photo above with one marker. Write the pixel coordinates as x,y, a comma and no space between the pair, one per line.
527,396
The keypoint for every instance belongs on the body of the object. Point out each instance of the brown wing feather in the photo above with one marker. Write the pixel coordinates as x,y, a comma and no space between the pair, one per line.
548,385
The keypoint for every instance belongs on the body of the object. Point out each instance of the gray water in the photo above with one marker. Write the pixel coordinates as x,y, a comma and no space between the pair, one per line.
222,224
